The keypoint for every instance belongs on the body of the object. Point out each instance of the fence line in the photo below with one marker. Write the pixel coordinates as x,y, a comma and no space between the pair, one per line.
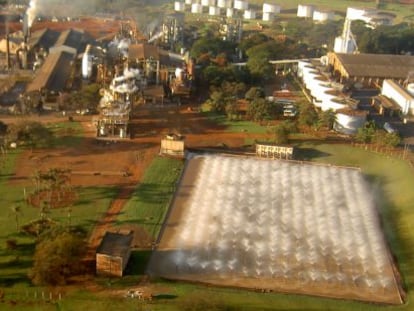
403,154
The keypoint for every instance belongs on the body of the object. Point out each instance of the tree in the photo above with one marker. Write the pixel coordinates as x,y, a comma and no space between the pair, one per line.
254,92
327,118
30,133
366,133
57,257
259,109
223,99
258,63
390,140
307,114
282,131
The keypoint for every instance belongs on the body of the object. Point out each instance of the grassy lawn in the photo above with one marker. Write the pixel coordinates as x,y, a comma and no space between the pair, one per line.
89,207
151,199
67,134
233,126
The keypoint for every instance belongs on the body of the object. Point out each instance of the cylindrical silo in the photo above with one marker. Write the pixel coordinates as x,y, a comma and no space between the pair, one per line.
349,121
271,8
410,88
229,12
208,2
268,16
241,5
179,6
305,10
224,4
87,62
363,14
322,16
249,14
196,8
213,10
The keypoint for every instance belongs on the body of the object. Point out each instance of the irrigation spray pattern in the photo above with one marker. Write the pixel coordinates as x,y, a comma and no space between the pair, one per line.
254,218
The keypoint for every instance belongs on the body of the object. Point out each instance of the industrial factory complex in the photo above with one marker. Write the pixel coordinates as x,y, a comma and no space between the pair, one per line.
242,212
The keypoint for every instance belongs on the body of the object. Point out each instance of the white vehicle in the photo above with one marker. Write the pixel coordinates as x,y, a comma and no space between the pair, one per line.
389,128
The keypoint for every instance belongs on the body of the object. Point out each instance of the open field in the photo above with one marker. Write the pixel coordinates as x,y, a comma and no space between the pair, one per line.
149,203
393,187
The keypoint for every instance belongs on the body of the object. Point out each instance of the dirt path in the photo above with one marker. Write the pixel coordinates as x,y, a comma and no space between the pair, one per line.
106,223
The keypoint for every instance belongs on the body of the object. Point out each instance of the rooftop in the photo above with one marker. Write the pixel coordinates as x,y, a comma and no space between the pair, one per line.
377,65
54,73
115,244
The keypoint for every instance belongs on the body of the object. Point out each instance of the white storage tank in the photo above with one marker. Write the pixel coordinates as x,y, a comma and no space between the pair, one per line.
87,62
323,16
342,45
196,8
268,16
229,12
249,14
271,8
179,6
410,88
224,4
213,10
349,121
208,2
364,14
305,10
241,5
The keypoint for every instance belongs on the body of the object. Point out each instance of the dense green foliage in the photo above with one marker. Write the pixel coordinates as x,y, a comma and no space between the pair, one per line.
30,133
57,257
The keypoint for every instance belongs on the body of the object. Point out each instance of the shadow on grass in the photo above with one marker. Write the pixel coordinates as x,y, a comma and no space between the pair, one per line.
92,195
306,154
138,262
11,279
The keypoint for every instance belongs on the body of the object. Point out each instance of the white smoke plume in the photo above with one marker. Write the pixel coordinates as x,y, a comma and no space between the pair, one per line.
31,12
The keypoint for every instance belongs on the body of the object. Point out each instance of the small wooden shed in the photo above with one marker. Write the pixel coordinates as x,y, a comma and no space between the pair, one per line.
173,145
113,253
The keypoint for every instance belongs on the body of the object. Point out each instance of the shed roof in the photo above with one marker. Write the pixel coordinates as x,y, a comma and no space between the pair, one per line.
115,244
45,38
147,51
387,103
72,38
399,89
143,51
377,65
54,73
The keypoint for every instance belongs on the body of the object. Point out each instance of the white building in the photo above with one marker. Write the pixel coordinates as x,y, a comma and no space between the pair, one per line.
249,14
400,95
305,10
322,16
241,5
271,8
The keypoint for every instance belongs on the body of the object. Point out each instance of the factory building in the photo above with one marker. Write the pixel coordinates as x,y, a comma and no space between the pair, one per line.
370,69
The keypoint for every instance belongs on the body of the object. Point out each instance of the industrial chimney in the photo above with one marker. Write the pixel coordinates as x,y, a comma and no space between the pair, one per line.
8,51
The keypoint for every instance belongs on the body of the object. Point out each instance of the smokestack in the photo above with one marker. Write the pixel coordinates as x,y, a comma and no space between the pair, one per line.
8,51
26,27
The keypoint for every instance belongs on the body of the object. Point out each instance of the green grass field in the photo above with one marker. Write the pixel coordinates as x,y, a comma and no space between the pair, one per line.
150,200
89,207
236,126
